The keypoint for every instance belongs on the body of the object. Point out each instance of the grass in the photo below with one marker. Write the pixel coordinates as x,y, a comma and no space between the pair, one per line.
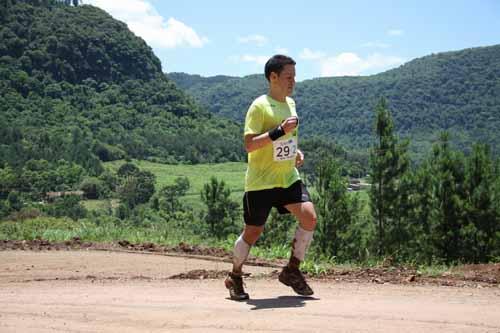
102,230
100,205
232,173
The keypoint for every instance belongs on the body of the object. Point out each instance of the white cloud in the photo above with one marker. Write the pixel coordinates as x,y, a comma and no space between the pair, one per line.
281,50
308,54
258,40
351,64
143,19
378,45
260,60
395,32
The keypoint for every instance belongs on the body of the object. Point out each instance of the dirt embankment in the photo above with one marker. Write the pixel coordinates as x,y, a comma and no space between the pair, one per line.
480,275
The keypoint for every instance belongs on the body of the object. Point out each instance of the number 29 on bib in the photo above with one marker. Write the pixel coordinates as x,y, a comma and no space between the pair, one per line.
285,150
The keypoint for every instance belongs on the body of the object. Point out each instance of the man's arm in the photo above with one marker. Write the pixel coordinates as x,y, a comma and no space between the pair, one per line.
257,141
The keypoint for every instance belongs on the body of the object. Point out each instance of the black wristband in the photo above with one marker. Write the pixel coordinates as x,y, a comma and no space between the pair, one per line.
276,133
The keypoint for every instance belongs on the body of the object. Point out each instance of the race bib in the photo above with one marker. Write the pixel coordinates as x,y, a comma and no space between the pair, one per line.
285,150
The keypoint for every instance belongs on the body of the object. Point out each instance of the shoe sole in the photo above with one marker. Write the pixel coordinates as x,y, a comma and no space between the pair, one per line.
296,291
229,286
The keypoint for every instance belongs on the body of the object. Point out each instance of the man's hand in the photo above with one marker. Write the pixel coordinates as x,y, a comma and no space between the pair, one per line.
289,124
299,159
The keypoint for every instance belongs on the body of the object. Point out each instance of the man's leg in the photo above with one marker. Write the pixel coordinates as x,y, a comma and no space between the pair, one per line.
291,275
247,239
234,282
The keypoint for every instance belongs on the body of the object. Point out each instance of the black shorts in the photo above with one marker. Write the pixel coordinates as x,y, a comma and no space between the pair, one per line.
258,204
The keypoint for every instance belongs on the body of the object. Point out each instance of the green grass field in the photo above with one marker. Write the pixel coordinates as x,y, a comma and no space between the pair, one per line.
232,173
102,205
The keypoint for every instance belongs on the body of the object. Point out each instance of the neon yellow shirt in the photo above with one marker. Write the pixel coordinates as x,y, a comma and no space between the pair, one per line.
267,168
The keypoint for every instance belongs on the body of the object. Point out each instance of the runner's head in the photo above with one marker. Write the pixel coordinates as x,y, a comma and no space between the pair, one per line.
276,64
280,72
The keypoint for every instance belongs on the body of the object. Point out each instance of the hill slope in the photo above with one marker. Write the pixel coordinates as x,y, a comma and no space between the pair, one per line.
75,84
456,91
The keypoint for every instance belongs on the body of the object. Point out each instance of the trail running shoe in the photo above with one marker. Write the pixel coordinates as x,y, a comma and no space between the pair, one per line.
234,282
292,277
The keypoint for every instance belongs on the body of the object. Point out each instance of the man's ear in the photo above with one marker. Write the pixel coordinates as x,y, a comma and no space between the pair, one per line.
273,76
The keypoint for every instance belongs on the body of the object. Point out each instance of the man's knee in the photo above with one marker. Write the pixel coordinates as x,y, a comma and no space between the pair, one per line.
309,222
252,233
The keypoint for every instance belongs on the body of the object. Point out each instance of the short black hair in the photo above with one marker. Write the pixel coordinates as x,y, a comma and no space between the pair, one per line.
276,64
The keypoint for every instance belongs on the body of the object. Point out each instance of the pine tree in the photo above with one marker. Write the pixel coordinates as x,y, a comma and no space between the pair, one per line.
420,215
496,200
331,206
449,212
388,163
482,220
221,210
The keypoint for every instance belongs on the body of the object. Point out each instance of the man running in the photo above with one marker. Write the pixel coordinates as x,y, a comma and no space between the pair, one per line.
272,178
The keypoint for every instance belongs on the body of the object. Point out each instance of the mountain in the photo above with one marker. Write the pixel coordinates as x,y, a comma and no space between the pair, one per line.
78,85
455,91
228,96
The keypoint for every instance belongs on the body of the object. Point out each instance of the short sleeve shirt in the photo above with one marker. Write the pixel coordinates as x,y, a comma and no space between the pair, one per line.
266,168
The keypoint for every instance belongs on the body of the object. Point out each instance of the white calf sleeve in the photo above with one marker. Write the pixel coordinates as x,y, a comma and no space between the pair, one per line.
241,250
301,242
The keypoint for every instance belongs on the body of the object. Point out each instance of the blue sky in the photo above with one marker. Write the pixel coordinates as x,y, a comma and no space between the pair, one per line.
326,38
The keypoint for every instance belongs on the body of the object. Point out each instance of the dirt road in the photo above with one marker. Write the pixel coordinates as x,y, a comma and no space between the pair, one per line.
96,291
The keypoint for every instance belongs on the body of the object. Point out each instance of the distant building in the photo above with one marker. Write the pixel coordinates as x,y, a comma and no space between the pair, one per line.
51,196
356,184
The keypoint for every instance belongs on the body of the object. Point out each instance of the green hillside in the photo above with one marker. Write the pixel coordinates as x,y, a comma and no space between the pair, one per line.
78,85
227,96
456,91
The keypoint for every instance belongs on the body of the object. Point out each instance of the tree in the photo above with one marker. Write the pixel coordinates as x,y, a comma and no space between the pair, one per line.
422,204
449,210
14,201
481,218
127,192
92,187
168,197
137,189
68,205
146,187
221,210
109,181
7,181
337,212
331,190
127,169
388,163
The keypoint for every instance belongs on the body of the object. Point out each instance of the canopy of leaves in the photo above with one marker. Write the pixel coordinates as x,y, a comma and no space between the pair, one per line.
75,84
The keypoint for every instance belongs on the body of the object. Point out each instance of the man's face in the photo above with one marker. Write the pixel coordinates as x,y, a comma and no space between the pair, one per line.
285,81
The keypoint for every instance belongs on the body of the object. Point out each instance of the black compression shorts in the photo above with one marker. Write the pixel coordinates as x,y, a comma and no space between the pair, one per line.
258,204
